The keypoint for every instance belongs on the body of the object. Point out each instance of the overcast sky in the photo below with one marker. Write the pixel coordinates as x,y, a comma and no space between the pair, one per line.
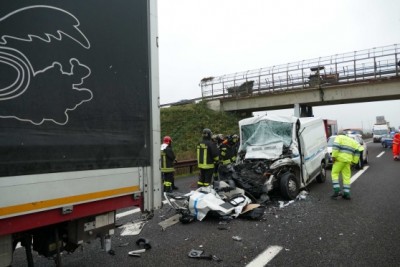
203,38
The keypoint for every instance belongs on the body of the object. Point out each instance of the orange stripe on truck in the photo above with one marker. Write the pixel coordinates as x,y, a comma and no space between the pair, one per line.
46,204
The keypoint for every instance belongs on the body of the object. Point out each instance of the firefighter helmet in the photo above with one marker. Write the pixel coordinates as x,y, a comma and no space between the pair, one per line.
207,133
167,140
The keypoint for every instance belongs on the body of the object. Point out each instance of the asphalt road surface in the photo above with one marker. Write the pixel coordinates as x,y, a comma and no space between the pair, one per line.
316,231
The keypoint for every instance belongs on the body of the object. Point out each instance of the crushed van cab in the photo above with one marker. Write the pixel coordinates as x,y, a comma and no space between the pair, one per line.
280,153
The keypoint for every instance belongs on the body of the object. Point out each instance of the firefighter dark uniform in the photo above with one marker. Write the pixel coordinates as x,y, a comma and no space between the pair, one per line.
207,157
235,147
345,151
226,158
167,164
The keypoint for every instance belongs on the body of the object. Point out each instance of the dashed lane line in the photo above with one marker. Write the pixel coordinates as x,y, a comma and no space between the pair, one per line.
265,257
380,154
358,174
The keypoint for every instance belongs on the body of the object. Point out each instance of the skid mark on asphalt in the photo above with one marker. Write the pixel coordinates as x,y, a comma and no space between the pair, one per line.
265,257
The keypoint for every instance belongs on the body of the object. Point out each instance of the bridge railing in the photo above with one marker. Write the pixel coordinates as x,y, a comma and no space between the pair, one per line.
372,64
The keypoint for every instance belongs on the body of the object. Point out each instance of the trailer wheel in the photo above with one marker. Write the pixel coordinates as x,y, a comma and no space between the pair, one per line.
322,173
289,186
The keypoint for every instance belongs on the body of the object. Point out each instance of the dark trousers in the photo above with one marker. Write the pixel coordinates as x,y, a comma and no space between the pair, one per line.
205,178
168,180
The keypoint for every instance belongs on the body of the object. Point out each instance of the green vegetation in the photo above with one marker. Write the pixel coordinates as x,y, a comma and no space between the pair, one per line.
185,125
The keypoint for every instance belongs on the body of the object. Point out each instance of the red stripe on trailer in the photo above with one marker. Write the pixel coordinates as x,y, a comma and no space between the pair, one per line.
40,219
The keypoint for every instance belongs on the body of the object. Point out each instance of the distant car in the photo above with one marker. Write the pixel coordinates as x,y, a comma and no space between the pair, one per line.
363,160
353,131
387,140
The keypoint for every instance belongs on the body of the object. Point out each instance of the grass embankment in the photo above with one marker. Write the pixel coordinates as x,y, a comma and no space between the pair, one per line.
185,125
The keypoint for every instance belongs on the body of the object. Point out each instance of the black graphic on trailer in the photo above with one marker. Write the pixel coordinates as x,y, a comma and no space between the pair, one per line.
27,86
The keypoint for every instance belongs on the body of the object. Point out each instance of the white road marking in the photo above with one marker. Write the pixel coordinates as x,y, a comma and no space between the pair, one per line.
129,212
265,257
126,213
380,154
358,174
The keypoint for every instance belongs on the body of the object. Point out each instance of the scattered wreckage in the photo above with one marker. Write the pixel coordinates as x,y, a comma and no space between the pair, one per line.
278,155
222,200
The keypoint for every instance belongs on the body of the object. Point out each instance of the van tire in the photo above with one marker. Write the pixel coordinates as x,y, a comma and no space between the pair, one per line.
289,186
322,173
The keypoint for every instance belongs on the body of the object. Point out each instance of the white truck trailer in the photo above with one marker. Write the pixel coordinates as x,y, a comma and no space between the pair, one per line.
79,121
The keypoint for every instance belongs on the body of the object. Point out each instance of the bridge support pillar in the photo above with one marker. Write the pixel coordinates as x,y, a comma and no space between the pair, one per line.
303,111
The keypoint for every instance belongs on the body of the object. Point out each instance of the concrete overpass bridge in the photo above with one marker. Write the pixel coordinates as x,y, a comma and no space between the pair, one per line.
359,76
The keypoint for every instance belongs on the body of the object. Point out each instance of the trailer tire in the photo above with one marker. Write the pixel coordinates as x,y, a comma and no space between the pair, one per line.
322,173
289,186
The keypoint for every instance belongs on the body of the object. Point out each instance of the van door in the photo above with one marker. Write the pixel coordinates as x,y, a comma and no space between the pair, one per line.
313,146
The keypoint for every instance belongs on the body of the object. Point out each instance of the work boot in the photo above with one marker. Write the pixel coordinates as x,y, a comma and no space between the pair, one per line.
336,195
346,196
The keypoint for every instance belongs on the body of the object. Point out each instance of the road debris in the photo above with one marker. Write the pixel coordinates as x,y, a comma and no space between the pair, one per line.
199,254
169,222
133,228
136,253
237,238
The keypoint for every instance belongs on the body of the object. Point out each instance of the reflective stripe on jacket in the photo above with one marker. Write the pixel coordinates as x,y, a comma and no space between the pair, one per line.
207,154
346,149
225,154
167,158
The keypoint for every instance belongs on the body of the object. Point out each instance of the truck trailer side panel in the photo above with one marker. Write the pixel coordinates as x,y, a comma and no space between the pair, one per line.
79,110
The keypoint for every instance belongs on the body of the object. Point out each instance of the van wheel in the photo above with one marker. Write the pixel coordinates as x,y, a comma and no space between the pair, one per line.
322,173
289,186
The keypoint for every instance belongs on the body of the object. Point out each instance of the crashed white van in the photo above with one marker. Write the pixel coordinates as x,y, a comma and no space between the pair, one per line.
280,153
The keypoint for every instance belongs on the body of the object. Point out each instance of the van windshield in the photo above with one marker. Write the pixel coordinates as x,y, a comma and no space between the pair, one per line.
266,132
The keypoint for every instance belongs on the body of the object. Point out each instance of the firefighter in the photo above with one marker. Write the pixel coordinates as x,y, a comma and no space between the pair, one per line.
167,164
345,152
225,156
234,143
396,146
207,158
217,139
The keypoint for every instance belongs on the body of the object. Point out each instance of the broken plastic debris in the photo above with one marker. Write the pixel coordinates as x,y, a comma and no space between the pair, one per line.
282,204
302,195
237,238
132,228
170,221
136,253
194,253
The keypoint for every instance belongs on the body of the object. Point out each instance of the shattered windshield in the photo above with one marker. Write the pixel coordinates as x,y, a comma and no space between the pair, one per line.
266,132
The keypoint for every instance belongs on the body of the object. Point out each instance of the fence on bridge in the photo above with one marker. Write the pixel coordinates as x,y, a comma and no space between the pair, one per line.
358,66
